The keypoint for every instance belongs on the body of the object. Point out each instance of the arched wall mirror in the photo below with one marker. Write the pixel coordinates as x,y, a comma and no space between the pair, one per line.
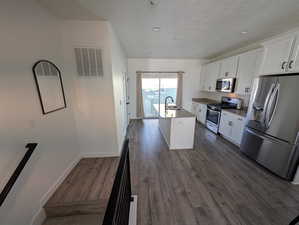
49,86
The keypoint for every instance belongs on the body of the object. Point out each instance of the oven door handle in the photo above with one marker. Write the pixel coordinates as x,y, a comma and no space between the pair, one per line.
214,111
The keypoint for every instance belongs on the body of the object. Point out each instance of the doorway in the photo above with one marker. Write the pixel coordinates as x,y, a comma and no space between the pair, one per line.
155,88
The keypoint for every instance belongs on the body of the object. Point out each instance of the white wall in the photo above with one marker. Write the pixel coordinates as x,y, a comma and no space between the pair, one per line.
191,78
94,110
91,125
119,71
28,34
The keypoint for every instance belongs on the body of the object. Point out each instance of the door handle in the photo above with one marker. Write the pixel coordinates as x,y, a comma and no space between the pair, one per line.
267,101
283,65
258,108
291,64
270,115
264,136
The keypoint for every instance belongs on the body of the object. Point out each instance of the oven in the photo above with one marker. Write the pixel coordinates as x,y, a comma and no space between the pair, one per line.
213,119
226,85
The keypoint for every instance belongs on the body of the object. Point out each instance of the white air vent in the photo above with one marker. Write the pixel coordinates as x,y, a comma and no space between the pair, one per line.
89,61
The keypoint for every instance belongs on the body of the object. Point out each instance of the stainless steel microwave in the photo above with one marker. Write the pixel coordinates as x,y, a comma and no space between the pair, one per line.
226,85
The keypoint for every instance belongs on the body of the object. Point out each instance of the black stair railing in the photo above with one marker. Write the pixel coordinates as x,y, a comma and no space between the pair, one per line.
12,180
118,209
295,221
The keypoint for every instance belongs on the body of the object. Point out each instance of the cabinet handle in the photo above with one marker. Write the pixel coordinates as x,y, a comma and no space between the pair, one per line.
291,64
240,119
230,123
283,65
226,74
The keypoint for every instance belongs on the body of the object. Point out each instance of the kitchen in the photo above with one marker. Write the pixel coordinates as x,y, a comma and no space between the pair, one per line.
163,112
258,111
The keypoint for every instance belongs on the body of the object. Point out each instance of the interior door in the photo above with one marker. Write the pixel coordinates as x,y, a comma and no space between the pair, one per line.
277,54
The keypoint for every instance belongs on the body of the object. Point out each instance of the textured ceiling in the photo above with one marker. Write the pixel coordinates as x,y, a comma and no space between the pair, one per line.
189,28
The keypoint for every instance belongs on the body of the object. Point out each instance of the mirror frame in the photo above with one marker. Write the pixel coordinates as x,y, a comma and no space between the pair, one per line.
39,91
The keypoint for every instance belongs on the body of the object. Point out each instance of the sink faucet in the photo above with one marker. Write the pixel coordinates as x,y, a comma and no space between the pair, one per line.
168,97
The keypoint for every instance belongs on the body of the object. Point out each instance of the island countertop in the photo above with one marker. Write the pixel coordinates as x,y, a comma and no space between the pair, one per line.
177,113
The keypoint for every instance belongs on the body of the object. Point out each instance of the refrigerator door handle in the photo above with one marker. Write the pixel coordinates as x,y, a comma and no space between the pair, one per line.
272,100
263,136
267,101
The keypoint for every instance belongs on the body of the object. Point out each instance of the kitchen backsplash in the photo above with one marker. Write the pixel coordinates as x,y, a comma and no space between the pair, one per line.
217,96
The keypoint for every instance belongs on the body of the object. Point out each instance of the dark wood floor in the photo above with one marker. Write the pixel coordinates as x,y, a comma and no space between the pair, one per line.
211,185
86,189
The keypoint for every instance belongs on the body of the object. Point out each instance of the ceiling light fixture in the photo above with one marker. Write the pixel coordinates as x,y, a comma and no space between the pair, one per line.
244,32
156,29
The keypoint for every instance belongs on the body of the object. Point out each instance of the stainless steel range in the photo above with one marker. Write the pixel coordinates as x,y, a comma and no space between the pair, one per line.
214,112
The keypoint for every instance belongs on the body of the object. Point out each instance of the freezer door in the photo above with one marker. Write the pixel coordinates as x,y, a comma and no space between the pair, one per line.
278,156
274,107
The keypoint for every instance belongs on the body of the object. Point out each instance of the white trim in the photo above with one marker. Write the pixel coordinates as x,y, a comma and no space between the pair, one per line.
39,217
99,154
59,181
133,211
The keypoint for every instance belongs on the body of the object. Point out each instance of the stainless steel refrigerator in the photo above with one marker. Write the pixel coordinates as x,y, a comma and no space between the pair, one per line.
271,134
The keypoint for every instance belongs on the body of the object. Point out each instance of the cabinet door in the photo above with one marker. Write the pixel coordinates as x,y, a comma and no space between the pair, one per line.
229,67
276,55
212,73
225,127
194,108
247,70
203,76
237,129
293,66
203,113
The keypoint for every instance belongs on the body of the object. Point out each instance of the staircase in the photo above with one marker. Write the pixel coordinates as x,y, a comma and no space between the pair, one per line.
83,196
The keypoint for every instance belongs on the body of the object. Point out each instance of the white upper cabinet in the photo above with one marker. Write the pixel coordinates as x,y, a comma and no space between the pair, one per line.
277,55
202,84
229,67
209,75
249,63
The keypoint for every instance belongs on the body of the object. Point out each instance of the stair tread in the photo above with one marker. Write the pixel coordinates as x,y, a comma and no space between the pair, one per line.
75,220
86,189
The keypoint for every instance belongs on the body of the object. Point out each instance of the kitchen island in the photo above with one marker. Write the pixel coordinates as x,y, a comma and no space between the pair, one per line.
177,127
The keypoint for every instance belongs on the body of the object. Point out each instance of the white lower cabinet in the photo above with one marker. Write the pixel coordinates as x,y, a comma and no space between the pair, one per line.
194,108
231,127
201,113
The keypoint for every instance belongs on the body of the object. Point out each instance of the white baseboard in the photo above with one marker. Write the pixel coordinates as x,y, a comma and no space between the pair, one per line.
133,211
54,187
99,154
39,217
